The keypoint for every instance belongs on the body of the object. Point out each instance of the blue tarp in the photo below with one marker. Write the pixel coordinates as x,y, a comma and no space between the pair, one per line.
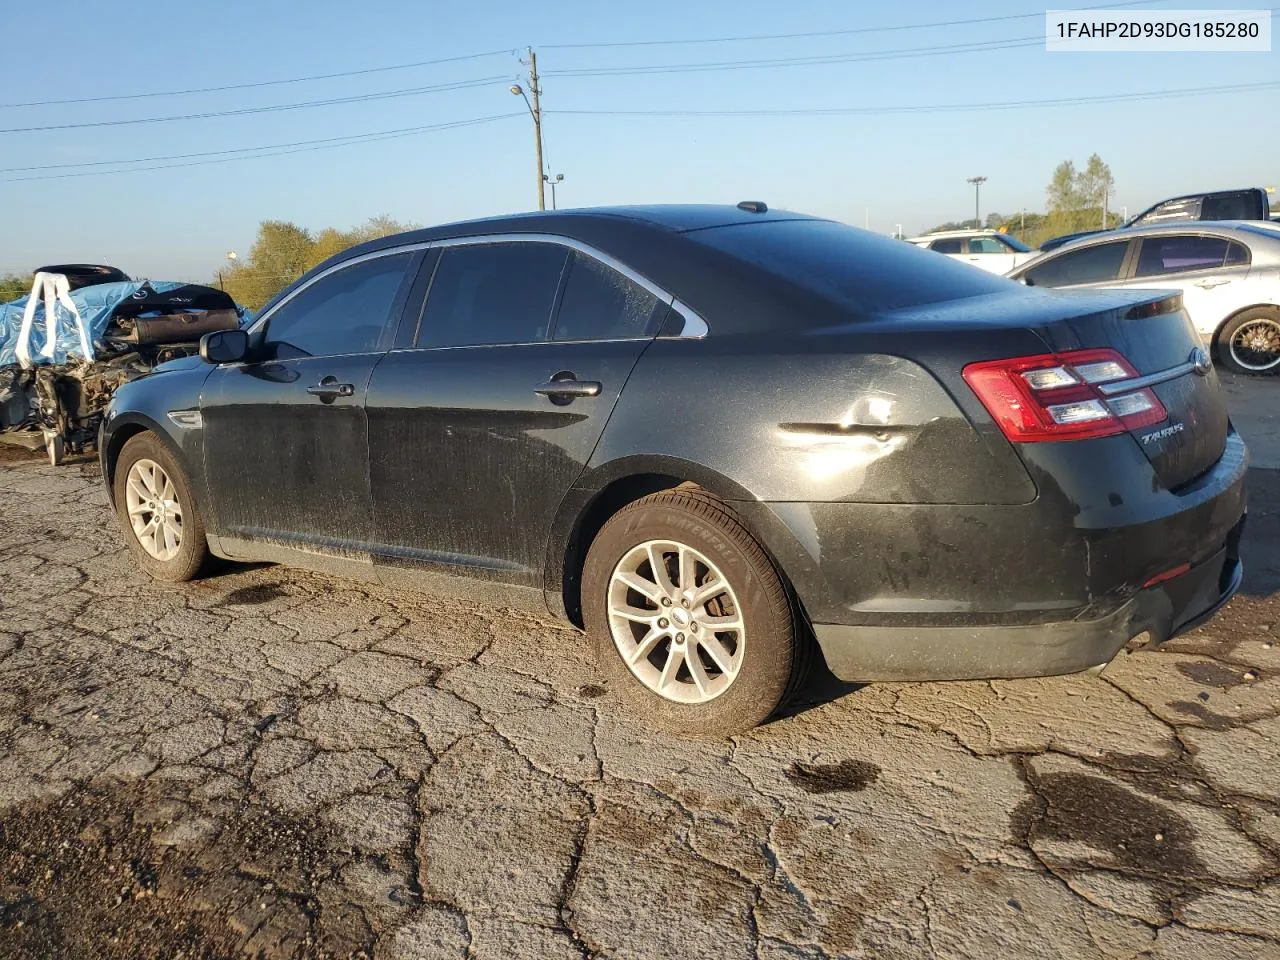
95,303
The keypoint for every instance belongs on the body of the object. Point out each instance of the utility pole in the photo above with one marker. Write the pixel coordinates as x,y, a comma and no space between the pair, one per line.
535,111
1104,207
977,186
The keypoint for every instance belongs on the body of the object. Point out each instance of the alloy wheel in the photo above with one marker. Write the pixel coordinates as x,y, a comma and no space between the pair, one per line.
1255,345
676,621
154,511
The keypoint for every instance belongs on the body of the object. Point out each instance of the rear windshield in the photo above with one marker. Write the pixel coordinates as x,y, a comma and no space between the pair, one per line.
855,269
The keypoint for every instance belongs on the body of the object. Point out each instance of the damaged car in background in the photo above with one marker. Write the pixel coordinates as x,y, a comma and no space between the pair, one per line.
82,332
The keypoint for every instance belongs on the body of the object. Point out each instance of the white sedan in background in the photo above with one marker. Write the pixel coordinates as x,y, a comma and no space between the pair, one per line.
1228,272
988,249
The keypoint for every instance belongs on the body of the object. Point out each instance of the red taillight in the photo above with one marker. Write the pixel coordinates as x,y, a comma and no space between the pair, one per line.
1054,396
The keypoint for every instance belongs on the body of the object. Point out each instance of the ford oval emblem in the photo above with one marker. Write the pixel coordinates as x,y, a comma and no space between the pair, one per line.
1201,361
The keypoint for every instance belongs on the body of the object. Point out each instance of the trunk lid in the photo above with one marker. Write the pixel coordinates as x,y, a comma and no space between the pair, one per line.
1152,331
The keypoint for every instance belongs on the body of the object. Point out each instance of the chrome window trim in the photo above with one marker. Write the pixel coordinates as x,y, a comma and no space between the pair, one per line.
695,328
364,257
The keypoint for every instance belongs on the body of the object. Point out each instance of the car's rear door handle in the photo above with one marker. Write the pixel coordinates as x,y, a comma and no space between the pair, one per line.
329,389
1210,284
565,387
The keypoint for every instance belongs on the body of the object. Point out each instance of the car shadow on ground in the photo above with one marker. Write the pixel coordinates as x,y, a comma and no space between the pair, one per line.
1260,549
819,688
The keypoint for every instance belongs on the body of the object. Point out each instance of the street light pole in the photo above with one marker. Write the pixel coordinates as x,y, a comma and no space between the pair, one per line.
977,187
535,111
231,259
559,178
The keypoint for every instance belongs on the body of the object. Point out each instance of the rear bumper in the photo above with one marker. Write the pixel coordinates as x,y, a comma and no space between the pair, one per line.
937,591
861,653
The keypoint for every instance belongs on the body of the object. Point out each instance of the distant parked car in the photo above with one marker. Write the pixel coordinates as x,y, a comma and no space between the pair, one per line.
712,436
988,249
1228,273
1252,203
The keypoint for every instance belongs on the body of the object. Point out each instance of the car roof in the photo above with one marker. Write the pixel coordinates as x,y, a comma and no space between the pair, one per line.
672,218
943,234
657,242
1227,228
1243,231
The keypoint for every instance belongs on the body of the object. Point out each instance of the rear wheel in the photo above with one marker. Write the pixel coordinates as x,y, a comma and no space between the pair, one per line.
692,624
162,524
1250,342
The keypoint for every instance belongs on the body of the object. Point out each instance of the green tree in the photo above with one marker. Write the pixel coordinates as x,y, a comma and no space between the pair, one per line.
1063,195
13,286
284,251
1076,197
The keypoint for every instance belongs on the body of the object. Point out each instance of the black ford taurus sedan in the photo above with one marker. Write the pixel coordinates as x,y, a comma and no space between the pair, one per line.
719,439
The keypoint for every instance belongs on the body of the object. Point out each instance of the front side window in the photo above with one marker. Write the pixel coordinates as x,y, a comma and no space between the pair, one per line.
1096,264
343,313
1178,254
492,293
599,303
986,245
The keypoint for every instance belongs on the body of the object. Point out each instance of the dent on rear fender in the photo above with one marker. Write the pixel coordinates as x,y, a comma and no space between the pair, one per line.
813,425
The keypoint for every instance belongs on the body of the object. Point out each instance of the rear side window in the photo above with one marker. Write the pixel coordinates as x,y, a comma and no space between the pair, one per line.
853,268
343,313
492,293
1096,264
599,303
1178,254
951,245
1230,206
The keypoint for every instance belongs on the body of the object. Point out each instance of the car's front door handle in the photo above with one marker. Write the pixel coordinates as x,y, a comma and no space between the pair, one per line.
564,388
1210,284
329,389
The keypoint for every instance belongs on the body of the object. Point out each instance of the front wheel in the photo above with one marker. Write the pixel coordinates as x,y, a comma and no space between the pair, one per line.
692,623
162,524
1250,343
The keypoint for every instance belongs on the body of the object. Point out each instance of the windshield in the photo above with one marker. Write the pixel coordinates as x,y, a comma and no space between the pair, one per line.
1015,243
853,268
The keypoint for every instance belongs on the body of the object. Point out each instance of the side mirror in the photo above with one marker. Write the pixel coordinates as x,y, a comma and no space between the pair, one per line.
224,346
1028,281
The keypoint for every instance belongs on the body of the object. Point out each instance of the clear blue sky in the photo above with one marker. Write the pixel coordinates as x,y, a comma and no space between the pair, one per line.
893,168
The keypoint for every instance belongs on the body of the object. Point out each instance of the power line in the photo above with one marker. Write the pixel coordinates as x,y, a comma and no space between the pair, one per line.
977,46
304,146
301,146
243,111
372,134
902,53
929,108
827,33
554,46
256,84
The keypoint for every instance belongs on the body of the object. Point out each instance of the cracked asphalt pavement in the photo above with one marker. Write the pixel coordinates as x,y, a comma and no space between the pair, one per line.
273,763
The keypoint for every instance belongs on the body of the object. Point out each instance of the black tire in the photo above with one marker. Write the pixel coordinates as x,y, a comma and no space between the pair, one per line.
775,654
1266,321
193,548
